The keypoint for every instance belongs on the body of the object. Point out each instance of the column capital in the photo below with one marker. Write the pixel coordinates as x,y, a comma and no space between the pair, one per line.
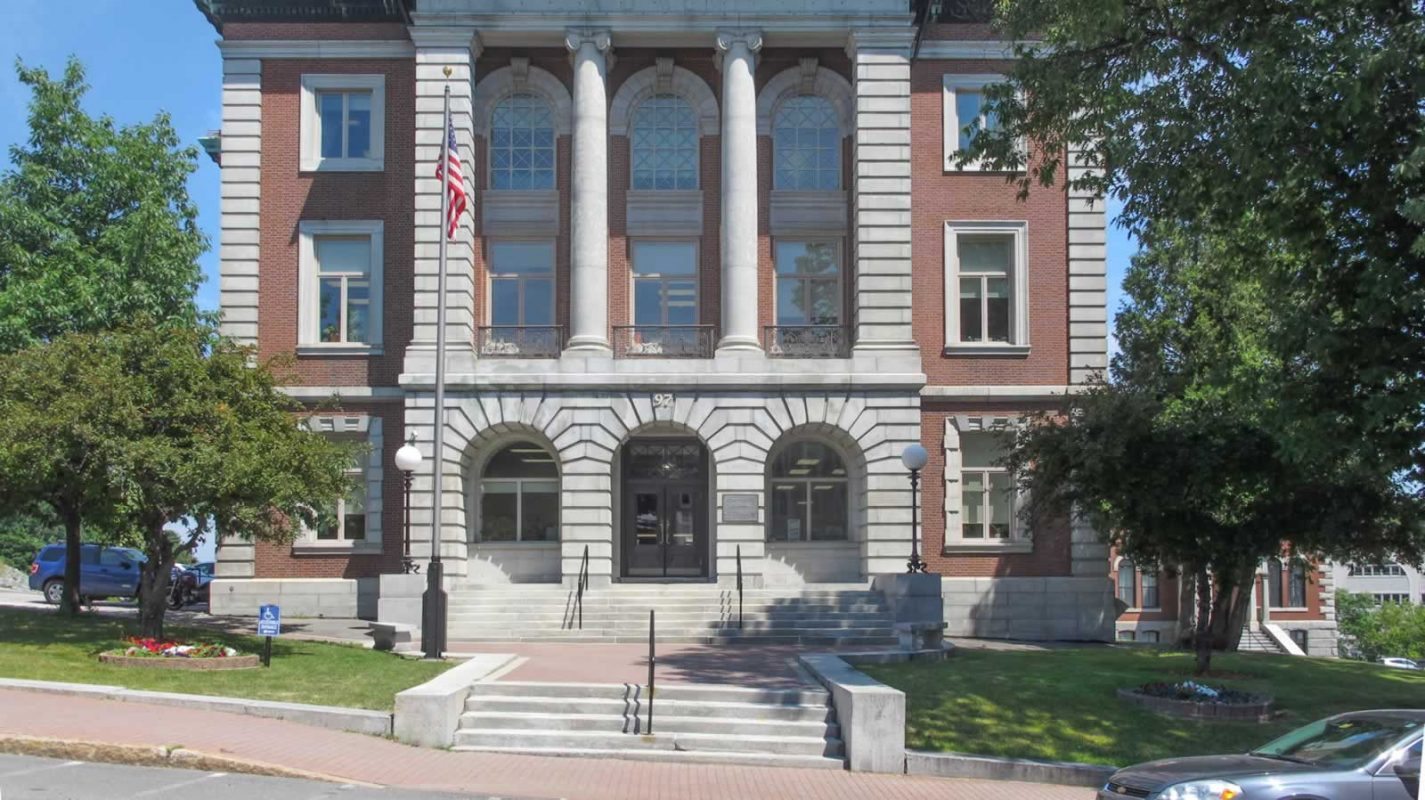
600,38
445,37
728,38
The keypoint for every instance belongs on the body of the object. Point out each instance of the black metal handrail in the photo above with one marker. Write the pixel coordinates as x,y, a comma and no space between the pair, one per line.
519,341
739,587
652,662
583,587
664,341
807,341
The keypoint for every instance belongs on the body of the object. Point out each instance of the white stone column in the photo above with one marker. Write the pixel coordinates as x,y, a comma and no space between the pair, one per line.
737,51
438,49
589,217
881,189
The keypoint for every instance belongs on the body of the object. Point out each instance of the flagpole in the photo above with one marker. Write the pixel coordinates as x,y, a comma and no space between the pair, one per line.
433,604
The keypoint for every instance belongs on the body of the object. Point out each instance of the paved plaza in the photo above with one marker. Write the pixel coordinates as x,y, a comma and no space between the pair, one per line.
367,759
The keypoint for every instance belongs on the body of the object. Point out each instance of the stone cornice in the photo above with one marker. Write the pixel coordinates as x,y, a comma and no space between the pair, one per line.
447,37
326,49
977,50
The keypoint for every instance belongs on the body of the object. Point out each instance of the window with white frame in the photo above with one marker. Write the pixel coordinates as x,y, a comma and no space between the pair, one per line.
986,286
1151,637
663,142
1286,583
806,484
353,520
521,283
806,145
343,123
1127,636
519,495
340,269
987,492
665,283
1377,571
966,112
808,282
1390,597
1148,595
522,143
1127,583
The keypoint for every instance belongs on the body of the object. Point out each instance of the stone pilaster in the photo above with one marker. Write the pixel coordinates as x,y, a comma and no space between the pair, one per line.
737,50
240,191
589,217
439,49
1088,277
881,189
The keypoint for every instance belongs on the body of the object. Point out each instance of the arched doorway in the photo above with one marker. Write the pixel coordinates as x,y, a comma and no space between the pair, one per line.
664,526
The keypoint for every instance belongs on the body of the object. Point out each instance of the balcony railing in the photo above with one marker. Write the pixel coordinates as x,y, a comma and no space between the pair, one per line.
664,341
806,341
519,341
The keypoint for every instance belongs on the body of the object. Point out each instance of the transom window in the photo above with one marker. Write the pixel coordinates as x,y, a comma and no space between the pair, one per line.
985,285
664,144
344,520
806,137
345,124
986,490
519,495
665,283
808,494
521,283
808,283
344,288
522,143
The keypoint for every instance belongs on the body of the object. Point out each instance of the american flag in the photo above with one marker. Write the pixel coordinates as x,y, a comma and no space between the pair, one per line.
456,186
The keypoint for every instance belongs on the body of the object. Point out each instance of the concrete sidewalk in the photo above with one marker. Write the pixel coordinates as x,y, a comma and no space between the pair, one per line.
368,759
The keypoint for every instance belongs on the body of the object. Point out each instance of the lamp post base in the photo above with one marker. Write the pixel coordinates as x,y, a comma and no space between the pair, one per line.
433,604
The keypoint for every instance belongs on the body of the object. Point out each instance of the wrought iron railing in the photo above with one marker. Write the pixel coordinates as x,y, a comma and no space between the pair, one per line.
652,667
806,341
519,341
739,587
664,341
583,585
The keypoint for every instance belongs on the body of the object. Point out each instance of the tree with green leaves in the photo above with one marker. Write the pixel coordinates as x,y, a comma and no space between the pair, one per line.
24,532
1372,631
96,225
1271,381
154,424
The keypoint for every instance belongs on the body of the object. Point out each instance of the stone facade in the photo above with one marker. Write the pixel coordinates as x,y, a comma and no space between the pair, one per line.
883,375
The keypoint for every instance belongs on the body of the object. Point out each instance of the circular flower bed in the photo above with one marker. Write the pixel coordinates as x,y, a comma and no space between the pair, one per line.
1193,700
175,655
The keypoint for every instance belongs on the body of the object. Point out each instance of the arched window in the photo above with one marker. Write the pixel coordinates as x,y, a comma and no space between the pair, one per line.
522,143
1127,583
519,496
806,483
664,144
806,144
1149,584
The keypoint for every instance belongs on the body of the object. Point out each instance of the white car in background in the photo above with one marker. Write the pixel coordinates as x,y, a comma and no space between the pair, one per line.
1400,663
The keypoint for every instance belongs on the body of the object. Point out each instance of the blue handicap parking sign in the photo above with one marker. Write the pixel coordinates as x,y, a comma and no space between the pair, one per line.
269,621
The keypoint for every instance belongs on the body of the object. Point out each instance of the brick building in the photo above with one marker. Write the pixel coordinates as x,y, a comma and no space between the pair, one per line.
721,271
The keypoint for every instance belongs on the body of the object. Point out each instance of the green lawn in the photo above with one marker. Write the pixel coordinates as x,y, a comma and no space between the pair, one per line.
42,645
1060,704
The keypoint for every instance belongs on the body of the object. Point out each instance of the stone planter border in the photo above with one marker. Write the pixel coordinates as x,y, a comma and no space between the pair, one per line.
162,662
1258,711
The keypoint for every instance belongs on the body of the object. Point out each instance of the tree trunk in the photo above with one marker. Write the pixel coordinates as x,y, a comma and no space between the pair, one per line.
1187,602
73,528
154,581
1202,639
1229,607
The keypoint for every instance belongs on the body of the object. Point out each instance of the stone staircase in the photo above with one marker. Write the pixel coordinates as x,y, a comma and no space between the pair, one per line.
1254,641
823,615
691,723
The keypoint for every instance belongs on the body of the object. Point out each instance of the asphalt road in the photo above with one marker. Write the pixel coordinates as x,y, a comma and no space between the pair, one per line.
30,778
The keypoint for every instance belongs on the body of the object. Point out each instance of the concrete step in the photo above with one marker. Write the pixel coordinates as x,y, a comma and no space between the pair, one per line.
691,625
514,611
618,707
689,692
683,757
630,723
658,740
513,606
865,639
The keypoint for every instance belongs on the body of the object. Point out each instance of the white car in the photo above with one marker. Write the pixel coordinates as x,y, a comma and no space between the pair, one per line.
1400,663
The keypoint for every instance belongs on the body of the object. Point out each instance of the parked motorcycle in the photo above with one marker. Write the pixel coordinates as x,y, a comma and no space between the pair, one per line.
183,589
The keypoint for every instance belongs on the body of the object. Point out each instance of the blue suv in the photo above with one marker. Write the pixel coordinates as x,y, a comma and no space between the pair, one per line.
103,572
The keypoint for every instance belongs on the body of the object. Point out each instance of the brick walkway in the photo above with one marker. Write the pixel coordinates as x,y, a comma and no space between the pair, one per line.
372,760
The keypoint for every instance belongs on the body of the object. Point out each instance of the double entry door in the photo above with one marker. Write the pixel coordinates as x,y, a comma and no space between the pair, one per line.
665,510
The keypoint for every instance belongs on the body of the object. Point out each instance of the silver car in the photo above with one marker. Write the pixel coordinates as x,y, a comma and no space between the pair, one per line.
1366,755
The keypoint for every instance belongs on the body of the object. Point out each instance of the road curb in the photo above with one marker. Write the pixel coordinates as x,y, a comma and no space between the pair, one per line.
156,756
337,718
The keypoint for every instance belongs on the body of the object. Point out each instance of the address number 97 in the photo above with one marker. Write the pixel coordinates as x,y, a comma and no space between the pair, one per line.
663,400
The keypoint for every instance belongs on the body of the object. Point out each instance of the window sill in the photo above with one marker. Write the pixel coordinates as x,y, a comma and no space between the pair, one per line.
959,548
1143,610
987,350
347,548
515,543
804,544
356,350
1293,609
345,165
